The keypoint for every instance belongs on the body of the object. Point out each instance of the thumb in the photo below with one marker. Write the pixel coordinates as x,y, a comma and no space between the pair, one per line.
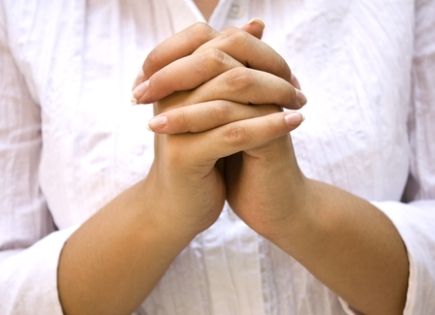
254,27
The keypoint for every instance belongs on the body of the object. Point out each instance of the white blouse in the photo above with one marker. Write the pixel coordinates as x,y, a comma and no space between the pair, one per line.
70,141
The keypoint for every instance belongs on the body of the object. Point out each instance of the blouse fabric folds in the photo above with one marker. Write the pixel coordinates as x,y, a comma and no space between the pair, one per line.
70,141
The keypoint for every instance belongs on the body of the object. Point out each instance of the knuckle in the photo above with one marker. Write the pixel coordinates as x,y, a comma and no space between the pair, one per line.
214,58
201,29
240,78
182,120
220,111
152,58
236,37
235,34
236,135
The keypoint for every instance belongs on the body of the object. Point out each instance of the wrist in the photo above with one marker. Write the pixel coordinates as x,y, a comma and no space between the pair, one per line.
298,213
176,207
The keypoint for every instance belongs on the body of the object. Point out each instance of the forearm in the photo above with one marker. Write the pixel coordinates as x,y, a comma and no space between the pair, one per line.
115,259
350,246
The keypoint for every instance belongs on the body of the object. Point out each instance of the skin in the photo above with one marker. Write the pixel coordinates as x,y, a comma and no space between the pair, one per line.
342,239
114,260
206,7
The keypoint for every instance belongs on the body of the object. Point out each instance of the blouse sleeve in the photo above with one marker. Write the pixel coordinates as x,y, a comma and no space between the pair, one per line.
29,244
414,218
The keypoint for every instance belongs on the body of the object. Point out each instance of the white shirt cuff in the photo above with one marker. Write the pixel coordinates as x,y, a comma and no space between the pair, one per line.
415,223
28,277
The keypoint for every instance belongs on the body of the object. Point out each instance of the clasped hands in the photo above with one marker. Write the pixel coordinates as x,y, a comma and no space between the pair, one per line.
220,131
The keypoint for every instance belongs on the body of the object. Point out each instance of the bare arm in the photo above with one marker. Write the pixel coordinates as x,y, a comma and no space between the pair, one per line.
114,260
350,246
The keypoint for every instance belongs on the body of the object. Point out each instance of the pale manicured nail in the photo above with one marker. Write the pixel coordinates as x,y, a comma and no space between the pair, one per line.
257,20
300,97
158,122
133,100
294,119
141,89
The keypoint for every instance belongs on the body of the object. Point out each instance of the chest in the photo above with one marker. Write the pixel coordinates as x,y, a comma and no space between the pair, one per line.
353,61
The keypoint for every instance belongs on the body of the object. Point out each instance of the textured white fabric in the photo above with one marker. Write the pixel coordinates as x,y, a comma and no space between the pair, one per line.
70,141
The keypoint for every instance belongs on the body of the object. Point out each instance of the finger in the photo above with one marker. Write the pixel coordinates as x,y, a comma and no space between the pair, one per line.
295,82
185,74
243,135
250,51
211,59
206,116
183,44
255,27
250,86
179,45
139,78
188,73
247,86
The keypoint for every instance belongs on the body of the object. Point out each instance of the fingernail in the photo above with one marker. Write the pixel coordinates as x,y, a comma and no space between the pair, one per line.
158,122
294,119
133,100
300,97
140,90
257,21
